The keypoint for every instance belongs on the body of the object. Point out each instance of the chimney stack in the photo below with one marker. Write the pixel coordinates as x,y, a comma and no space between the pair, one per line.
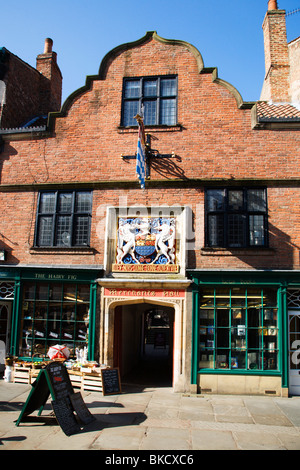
276,84
50,80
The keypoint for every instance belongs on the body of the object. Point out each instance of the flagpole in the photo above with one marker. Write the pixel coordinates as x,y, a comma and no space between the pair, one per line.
141,151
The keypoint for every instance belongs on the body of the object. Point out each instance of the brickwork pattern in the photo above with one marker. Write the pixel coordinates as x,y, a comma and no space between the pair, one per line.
214,143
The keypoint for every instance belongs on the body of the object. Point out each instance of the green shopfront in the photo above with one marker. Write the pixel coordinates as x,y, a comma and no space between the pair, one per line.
246,332
43,307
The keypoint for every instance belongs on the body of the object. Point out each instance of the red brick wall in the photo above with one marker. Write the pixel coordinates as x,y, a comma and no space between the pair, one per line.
215,142
30,92
22,93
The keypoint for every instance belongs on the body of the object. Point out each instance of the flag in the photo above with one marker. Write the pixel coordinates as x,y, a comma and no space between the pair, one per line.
140,154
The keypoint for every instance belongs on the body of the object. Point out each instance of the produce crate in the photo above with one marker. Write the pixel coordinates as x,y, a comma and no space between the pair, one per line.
92,382
22,374
76,378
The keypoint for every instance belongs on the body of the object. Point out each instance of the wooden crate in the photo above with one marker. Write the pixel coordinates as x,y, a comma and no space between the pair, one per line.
92,382
22,374
76,379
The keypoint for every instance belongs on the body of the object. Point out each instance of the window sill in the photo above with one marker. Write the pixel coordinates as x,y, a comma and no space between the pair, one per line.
156,128
62,250
255,251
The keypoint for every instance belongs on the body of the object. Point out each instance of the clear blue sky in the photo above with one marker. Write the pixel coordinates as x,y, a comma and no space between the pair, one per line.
228,33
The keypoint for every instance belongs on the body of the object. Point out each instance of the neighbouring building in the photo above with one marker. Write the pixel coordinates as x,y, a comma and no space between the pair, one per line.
201,268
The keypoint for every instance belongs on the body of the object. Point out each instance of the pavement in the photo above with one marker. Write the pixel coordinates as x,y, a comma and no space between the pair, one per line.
155,419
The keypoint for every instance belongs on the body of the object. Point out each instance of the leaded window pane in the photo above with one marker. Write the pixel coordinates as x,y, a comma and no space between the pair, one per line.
150,88
63,234
256,230
215,199
168,87
235,200
81,230
236,230
216,230
65,202
256,200
131,108
45,231
83,202
168,112
47,203
150,112
132,89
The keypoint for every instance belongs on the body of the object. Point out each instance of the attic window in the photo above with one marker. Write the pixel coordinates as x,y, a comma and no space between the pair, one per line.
158,97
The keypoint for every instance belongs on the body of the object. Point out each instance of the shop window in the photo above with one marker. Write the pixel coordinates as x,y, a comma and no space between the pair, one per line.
236,218
155,97
63,218
238,329
53,314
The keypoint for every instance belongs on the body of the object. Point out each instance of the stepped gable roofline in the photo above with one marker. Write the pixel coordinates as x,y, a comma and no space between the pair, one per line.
110,56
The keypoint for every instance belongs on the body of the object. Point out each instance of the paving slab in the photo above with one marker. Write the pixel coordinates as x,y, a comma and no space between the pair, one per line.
156,419
166,439
128,438
266,411
205,439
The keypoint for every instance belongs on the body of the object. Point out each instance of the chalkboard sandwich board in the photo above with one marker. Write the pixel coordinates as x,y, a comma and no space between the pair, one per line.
54,380
110,381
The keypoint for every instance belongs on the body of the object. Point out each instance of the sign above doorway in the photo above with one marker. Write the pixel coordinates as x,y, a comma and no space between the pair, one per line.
161,293
146,244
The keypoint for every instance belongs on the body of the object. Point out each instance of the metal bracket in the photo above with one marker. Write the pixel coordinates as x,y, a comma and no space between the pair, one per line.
149,154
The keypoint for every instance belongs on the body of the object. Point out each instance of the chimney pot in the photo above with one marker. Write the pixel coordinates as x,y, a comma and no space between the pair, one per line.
48,46
272,5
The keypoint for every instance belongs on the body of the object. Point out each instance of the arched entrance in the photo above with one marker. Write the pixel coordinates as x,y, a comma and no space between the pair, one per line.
143,343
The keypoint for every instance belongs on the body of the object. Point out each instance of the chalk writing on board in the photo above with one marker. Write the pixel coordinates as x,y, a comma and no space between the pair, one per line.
110,381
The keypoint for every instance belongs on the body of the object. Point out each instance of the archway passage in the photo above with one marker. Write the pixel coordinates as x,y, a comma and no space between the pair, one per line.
143,344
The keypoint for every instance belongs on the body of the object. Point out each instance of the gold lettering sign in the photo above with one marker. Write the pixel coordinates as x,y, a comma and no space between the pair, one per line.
139,268
119,292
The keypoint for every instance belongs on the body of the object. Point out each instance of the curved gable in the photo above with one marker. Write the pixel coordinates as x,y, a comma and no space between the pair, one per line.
117,51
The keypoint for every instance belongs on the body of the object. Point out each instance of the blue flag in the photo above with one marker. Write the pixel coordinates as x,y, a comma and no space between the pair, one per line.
140,154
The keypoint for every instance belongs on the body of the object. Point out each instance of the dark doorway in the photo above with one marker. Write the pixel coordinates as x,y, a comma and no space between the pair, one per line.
147,349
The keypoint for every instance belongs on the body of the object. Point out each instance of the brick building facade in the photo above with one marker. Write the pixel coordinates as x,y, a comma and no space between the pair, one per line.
201,269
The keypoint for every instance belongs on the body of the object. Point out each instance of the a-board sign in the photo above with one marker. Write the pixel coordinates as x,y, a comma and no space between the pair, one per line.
65,416
54,380
60,380
110,381
81,409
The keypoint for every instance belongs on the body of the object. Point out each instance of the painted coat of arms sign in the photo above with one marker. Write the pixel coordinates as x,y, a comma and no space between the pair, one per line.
146,244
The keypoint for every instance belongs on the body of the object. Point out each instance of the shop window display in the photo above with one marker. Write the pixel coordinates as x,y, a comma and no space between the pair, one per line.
238,329
53,313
